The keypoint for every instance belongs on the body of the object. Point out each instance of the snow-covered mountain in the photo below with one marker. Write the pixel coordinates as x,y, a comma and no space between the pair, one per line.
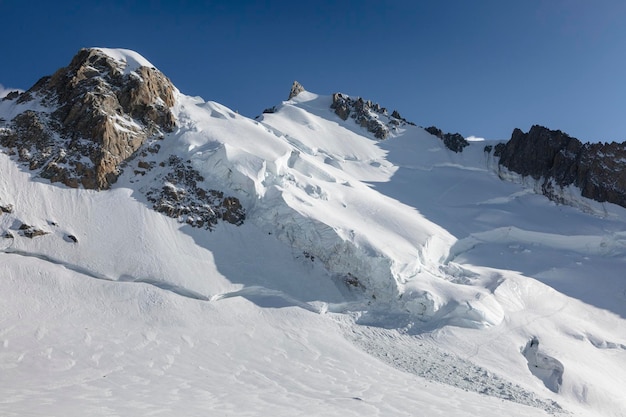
163,255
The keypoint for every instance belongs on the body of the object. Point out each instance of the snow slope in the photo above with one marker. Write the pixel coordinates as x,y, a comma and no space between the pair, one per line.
370,278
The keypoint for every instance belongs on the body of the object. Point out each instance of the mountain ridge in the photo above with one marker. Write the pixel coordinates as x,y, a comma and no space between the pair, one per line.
353,257
147,91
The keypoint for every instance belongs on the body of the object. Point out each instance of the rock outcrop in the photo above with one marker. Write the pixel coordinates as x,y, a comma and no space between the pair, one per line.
182,197
91,117
88,121
558,160
296,89
453,141
368,115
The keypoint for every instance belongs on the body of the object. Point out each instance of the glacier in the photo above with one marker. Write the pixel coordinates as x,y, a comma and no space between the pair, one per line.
369,278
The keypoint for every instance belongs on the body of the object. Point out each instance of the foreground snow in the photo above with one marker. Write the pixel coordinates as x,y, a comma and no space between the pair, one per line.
77,346
370,278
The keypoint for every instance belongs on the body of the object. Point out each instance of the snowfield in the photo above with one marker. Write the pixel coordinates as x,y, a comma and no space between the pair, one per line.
370,278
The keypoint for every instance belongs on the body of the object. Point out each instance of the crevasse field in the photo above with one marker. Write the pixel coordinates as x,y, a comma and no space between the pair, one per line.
371,278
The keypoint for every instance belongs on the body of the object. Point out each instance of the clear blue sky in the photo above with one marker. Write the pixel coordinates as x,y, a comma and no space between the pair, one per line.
475,67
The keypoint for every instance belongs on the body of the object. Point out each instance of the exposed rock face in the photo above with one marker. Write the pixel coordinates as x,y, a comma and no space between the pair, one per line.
453,141
81,125
296,89
95,116
559,160
369,115
181,197
7,208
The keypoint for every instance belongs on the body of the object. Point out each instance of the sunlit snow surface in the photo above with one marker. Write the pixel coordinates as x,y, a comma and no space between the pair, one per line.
130,60
457,272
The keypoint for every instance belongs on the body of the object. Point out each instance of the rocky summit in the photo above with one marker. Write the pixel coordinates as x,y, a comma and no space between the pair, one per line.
103,113
79,125
371,116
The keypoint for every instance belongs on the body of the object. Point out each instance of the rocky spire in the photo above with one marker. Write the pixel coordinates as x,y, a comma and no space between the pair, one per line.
296,89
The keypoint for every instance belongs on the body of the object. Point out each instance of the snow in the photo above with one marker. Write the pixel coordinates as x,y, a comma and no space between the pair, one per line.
370,278
91,347
474,139
130,59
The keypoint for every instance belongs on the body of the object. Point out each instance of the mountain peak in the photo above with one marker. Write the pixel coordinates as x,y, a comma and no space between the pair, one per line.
98,111
296,88
130,60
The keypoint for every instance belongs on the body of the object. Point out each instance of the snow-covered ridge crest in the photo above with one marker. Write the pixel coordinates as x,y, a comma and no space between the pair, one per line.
130,60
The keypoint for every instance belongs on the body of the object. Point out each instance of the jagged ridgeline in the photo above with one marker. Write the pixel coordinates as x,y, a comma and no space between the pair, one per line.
82,125
371,116
556,161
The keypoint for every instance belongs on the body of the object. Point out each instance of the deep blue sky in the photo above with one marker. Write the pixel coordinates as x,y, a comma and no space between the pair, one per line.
475,67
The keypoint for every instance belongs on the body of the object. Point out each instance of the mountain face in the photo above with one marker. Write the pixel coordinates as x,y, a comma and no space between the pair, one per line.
88,118
91,117
557,161
162,253
81,125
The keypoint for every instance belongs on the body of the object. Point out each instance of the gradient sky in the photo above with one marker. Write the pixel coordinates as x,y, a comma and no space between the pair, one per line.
475,67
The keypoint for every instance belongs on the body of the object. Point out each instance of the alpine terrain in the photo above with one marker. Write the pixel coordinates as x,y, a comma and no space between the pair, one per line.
164,255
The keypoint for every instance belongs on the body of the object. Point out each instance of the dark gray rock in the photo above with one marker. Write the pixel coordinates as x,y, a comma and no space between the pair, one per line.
11,96
182,197
453,141
368,115
270,110
6,208
559,160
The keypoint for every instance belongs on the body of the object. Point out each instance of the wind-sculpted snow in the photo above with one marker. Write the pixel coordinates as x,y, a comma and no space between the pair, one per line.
130,60
605,245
